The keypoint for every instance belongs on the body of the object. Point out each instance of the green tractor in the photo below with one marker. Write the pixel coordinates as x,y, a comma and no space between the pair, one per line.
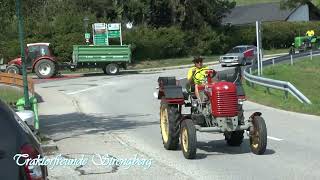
305,43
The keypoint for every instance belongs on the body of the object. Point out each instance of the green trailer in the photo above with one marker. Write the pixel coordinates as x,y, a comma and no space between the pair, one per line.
109,58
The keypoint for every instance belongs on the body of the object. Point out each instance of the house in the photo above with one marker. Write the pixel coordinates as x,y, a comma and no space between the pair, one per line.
269,12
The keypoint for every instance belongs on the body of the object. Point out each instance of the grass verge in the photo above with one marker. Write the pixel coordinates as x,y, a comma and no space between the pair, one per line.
275,51
304,75
250,2
170,62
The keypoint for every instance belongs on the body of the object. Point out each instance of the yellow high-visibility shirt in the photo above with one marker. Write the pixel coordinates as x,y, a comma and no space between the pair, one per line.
199,75
310,33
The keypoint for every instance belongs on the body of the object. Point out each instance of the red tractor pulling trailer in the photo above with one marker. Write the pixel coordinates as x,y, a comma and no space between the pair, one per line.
39,59
221,111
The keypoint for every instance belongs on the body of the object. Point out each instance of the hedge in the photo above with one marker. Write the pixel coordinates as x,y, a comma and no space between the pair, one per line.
169,42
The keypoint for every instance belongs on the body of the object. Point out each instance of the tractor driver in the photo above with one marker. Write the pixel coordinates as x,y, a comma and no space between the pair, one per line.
197,75
310,35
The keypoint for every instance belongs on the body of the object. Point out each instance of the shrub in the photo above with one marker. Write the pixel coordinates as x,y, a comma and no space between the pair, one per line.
151,43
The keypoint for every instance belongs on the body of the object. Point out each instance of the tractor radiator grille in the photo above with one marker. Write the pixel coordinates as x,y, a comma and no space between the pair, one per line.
226,104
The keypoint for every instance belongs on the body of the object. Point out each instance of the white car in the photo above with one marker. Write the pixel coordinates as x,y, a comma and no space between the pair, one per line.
239,55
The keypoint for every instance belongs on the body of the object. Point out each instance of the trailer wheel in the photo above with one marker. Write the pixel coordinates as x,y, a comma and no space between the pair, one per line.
258,137
188,138
13,69
112,69
234,138
169,125
45,69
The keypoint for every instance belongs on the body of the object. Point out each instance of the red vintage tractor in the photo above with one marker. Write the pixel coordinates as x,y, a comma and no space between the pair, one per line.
39,59
221,111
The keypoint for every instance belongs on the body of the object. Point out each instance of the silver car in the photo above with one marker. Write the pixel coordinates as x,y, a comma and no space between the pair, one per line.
239,55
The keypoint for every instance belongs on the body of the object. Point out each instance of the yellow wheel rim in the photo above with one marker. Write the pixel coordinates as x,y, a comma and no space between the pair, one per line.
255,140
184,140
164,124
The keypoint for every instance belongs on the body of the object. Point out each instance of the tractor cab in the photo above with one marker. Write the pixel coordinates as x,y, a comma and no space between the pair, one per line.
37,50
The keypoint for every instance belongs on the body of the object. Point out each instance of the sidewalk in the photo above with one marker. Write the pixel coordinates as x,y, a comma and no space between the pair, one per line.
77,135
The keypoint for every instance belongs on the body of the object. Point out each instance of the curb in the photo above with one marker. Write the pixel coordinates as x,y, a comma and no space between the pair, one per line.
50,148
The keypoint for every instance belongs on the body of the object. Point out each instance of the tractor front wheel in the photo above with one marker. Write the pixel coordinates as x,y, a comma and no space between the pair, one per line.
188,138
13,69
169,125
45,69
258,136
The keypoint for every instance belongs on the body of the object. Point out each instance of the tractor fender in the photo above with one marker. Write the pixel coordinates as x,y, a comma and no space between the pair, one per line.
169,90
16,62
41,58
255,114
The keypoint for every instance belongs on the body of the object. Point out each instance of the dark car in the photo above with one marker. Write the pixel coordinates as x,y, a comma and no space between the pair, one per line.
239,55
17,138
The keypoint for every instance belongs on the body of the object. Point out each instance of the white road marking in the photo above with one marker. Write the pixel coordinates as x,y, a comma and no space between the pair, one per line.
273,138
88,89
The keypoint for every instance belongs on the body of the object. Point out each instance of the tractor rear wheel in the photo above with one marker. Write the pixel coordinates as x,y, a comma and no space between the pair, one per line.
258,137
234,138
13,69
188,138
169,125
45,69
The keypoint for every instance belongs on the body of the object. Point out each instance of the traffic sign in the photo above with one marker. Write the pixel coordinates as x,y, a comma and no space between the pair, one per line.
114,27
87,35
113,34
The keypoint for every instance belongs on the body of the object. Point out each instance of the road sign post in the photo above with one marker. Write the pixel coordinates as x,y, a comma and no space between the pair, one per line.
259,47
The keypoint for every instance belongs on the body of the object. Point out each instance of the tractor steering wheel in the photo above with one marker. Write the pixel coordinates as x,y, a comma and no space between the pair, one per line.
195,74
213,74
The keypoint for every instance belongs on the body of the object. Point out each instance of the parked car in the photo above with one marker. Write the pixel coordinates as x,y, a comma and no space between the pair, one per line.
239,55
17,138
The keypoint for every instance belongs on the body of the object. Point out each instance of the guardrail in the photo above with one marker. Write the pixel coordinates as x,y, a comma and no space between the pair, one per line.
16,80
276,84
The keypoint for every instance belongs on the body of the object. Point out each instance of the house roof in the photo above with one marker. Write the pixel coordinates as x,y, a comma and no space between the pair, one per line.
257,12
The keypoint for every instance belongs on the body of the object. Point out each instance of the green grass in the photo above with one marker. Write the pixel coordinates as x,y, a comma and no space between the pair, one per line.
304,75
248,2
10,95
169,62
275,51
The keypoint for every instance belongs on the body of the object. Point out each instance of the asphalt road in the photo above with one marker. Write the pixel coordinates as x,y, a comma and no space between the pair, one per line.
128,103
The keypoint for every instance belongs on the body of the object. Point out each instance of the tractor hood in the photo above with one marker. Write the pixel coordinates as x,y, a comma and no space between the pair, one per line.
16,61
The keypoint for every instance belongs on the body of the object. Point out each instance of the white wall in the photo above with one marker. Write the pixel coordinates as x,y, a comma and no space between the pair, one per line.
300,14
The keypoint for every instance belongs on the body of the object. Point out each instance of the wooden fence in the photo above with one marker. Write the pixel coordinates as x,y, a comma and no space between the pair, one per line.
16,80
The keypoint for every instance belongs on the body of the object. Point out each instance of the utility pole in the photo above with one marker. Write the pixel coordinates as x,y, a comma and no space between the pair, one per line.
259,47
24,69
